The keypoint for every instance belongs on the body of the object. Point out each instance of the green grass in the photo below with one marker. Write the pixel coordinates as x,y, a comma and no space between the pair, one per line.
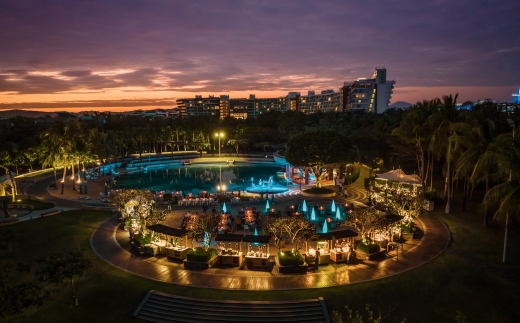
476,283
316,190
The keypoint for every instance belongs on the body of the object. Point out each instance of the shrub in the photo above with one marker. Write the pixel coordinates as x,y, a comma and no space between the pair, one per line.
430,193
407,228
368,248
199,254
140,240
289,258
128,222
349,179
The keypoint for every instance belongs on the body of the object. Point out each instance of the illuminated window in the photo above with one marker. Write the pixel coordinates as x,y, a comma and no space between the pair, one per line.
358,101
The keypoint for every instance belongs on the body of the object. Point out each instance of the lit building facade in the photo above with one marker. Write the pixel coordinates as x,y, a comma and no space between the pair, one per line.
368,94
326,101
371,95
199,106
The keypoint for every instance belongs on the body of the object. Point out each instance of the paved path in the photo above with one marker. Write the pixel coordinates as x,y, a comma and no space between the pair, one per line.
113,245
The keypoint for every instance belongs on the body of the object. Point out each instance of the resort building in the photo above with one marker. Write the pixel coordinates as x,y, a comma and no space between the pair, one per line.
371,95
368,94
327,101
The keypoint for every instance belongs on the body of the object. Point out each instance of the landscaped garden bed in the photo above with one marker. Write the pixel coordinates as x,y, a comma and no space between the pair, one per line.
369,251
199,258
289,262
319,192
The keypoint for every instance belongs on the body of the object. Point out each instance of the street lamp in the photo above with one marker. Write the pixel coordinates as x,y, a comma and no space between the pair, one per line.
219,135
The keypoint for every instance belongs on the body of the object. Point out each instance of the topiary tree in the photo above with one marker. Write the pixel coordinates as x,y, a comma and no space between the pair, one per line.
297,229
139,206
367,220
205,228
319,148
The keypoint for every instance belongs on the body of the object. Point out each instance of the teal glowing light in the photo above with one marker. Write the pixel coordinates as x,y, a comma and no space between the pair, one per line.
333,207
304,206
313,215
338,214
224,208
325,227
267,205
256,232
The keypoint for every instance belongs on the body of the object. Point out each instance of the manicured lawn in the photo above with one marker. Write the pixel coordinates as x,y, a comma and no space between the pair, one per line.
469,277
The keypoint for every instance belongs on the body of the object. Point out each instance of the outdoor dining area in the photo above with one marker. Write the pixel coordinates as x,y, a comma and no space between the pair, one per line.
170,242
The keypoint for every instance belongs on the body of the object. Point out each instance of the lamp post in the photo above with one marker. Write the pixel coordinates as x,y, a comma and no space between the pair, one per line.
219,135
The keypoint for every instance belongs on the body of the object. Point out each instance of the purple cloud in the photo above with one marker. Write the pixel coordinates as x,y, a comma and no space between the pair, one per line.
219,46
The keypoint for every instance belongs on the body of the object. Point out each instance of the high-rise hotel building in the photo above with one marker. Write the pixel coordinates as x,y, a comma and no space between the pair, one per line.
368,94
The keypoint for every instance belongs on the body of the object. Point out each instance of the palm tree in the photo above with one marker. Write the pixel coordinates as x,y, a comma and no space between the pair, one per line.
8,158
58,146
504,198
441,123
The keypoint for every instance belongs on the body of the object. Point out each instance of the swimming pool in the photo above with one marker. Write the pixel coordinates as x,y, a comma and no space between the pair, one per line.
194,178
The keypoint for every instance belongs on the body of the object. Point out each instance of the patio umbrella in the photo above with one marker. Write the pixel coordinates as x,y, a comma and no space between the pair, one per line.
224,208
313,215
333,207
338,214
304,206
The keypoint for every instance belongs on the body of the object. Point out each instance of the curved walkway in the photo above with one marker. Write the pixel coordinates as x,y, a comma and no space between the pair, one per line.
113,246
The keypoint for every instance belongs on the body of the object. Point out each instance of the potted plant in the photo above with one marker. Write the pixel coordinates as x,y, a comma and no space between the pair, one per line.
408,230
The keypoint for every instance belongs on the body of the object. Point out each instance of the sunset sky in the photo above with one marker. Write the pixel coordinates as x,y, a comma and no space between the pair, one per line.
130,54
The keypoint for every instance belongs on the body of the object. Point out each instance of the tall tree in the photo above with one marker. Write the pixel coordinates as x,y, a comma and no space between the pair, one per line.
318,149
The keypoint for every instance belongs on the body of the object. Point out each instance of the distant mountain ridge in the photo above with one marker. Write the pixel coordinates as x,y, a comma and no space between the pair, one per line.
400,105
25,113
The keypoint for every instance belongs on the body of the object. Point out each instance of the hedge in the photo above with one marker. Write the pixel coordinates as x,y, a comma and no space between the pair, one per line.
288,258
199,254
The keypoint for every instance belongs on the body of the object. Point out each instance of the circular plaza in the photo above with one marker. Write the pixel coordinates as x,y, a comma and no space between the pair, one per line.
113,244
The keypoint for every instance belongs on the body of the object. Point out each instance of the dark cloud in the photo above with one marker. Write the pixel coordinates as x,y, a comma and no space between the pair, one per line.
230,45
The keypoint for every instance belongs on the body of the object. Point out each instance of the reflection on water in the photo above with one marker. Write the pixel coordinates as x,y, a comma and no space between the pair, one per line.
196,178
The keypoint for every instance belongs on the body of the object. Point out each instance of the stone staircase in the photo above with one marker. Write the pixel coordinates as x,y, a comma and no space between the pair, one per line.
165,308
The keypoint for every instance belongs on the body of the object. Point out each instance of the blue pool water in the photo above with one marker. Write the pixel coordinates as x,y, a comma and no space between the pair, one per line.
194,178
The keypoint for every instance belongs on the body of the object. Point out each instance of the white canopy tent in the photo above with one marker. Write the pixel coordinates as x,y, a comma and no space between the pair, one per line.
400,176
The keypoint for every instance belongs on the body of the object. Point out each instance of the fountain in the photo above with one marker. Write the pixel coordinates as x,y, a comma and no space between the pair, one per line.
224,208
313,215
267,205
256,232
333,207
338,214
304,206
325,228
267,187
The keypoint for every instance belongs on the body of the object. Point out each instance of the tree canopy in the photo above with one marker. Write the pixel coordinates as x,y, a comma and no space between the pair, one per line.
318,148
